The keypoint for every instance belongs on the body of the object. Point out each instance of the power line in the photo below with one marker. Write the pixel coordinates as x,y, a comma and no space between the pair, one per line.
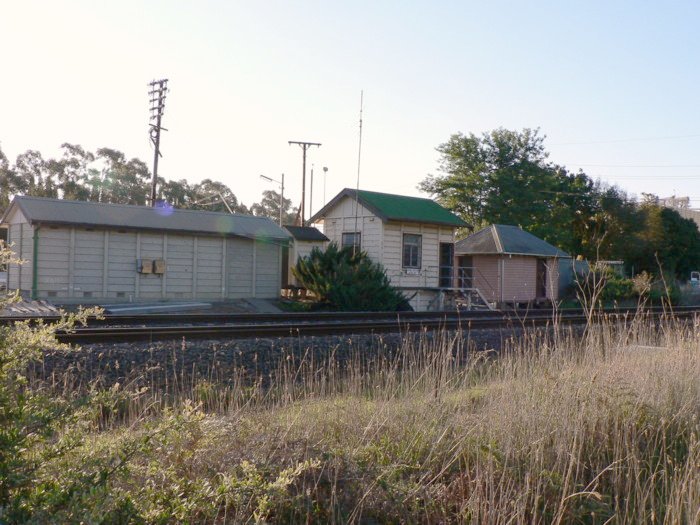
616,141
664,166
646,176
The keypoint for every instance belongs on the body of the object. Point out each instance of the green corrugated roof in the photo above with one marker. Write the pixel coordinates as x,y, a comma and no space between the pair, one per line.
390,207
412,209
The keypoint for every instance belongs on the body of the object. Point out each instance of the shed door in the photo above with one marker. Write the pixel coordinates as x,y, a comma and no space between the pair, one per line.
541,278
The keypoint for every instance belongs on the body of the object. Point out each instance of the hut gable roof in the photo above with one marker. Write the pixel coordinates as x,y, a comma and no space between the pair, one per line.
306,233
502,239
40,210
390,207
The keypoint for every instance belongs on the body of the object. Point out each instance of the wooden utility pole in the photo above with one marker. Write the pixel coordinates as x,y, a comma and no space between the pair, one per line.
304,146
159,88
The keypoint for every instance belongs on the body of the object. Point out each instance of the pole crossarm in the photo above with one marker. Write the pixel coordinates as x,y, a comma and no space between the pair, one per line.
157,94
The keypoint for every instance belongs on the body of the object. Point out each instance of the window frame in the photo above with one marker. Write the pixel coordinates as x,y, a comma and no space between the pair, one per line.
355,246
418,252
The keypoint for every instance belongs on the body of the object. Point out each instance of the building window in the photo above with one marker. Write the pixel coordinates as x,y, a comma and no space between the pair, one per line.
351,240
412,250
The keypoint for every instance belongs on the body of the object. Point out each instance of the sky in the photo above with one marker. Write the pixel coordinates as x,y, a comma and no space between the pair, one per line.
613,85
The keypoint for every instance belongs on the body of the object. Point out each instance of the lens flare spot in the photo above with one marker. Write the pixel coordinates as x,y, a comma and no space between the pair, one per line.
164,208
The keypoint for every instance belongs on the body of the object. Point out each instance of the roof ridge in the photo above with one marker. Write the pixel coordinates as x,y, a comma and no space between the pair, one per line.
140,206
393,195
497,238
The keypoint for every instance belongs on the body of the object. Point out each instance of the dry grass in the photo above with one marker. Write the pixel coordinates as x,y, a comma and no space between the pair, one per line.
556,429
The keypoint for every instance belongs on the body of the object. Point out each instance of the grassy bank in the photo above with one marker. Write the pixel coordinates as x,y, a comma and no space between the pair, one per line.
557,429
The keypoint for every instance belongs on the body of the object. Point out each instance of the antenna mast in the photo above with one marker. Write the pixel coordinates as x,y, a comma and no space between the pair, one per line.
159,88
359,159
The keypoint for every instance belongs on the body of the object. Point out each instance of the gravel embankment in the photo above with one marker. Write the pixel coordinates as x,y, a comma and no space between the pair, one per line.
153,363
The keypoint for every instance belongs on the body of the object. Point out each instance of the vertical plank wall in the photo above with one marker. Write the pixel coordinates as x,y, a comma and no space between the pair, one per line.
240,268
88,263
84,264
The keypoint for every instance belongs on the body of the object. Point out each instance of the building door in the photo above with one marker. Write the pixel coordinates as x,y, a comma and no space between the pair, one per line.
465,277
285,266
447,257
541,278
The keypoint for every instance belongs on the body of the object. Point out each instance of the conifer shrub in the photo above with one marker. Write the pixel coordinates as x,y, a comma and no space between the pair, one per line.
348,280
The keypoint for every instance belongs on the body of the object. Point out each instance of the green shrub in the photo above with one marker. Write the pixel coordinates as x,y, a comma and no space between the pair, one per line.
618,288
346,280
602,283
39,429
665,290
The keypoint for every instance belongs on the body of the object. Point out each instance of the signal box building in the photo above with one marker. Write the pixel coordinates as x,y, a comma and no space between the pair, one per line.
85,252
412,237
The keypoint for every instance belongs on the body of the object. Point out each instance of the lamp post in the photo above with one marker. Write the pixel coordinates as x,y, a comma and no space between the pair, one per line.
281,184
311,195
325,172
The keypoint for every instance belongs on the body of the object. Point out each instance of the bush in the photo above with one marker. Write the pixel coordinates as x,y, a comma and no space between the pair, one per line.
346,280
618,289
602,283
39,429
665,290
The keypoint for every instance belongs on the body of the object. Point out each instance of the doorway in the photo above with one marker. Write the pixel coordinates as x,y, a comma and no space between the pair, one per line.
541,284
447,258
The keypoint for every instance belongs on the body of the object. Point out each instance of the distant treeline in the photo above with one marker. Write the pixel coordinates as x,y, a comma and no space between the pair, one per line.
108,176
501,177
504,177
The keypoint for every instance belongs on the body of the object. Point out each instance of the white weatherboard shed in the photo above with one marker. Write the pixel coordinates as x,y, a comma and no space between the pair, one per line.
412,237
86,252
305,239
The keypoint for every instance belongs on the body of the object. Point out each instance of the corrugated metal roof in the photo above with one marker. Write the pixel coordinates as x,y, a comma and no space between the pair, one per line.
306,233
502,239
390,207
65,212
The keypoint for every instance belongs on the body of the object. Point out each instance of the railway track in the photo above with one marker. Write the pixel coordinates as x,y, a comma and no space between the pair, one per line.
159,327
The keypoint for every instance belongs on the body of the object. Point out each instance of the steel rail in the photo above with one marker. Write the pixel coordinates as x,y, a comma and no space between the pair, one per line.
333,327
312,317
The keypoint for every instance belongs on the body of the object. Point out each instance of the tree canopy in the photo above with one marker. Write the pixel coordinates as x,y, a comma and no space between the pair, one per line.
107,175
505,177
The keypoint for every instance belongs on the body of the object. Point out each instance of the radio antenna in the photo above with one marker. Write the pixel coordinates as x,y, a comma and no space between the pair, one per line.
359,161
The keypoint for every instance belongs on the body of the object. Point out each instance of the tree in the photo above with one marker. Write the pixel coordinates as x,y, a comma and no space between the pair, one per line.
208,195
7,182
504,177
346,280
484,176
120,181
34,178
71,171
501,177
666,242
177,193
269,206
108,176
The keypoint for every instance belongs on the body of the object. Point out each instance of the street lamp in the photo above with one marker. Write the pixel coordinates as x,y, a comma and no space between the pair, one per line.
281,183
325,172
